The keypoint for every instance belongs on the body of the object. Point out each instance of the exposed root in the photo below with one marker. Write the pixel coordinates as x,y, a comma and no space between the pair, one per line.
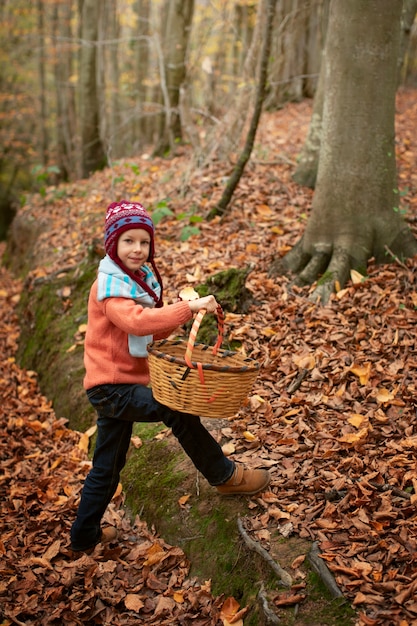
328,266
283,575
323,571
271,618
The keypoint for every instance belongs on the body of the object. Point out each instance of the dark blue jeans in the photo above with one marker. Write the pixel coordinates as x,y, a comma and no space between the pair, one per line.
118,406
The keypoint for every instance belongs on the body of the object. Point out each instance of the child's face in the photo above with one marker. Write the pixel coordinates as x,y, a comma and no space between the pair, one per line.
133,248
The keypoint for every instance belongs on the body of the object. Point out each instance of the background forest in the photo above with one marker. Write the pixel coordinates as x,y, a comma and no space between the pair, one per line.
86,83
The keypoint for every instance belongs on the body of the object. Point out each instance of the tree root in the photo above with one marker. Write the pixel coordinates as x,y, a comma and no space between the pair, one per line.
323,571
269,614
318,565
282,574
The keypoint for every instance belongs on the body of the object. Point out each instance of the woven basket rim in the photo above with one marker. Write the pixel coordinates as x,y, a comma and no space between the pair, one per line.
252,364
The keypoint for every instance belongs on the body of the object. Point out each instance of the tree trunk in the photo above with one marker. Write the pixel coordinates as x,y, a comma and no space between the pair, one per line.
43,115
355,212
308,160
407,21
65,102
92,152
296,53
142,59
260,97
110,77
177,33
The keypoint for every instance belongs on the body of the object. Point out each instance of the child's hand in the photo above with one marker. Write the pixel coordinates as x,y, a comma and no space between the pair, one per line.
209,303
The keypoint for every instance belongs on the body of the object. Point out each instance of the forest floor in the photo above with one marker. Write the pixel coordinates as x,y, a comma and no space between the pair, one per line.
332,413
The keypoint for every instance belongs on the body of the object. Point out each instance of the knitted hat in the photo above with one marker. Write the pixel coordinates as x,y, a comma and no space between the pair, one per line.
122,216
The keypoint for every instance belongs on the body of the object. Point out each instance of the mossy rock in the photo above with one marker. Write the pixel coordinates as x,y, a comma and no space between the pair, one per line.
229,288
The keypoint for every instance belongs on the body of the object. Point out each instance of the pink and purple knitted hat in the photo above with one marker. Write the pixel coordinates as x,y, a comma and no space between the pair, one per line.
122,216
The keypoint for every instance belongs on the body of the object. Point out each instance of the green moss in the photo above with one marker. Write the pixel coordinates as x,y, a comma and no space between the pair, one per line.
147,430
229,288
326,609
150,479
49,324
230,291
327,277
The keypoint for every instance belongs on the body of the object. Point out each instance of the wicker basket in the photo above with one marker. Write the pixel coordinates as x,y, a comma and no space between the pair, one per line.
202,380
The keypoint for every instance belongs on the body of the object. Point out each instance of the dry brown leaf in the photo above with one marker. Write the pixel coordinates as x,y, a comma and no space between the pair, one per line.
133,602
184,499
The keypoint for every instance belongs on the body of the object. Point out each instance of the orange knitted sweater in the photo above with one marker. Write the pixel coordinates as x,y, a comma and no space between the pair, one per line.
106,355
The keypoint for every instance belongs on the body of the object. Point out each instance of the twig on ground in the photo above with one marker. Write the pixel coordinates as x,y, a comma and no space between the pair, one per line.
254,545
297,382
395,490
395,258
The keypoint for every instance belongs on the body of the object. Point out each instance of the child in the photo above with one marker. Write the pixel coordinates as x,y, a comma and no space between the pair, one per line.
125,313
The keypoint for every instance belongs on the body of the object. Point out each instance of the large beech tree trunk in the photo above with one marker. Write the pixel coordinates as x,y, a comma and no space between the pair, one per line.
355,206
308,159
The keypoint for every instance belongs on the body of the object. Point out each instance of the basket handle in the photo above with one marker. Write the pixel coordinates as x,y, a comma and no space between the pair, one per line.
194,330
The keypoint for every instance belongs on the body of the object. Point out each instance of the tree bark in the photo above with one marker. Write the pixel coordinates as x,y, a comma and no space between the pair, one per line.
142,58
65,102
308,160
92,151
110,78
355,214
177,33
43,115
260,97
296,50
407,21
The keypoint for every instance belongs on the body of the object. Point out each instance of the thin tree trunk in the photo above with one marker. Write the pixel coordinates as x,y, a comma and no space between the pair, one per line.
65,103
308,160
407,21
142,59
109,76
177,33
260,97
93,156
43,133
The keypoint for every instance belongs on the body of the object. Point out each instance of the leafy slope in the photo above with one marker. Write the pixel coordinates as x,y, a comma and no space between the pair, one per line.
332,413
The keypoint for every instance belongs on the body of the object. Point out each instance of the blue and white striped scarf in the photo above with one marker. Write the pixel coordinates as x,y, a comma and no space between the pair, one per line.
114,283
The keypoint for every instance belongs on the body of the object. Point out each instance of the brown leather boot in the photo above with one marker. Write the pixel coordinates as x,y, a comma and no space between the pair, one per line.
108,535
245,482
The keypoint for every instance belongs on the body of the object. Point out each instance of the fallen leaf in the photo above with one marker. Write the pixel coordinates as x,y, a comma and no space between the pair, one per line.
356,277
183,500
363,372
188,294
133,602
228,449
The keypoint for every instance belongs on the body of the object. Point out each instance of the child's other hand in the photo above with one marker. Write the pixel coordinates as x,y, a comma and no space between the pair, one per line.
209,303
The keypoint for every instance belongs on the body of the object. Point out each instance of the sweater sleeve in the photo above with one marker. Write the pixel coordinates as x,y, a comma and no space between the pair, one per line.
134,319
